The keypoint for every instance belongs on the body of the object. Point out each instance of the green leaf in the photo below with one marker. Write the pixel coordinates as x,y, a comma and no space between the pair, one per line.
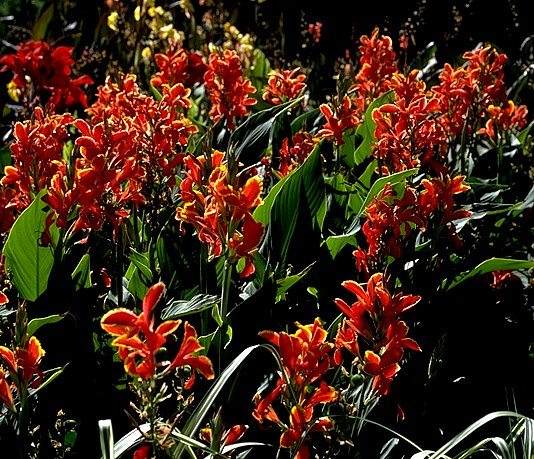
5,158
252,137
82,273
367,128
262,213
37,323
337,243
196,420
41,25
28,262
302,191
259,71
489,266
54,374
196,304
379,185
303,119
283,285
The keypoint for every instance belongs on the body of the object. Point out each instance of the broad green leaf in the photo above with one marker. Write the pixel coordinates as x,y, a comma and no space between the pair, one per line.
262,213
196,420
367,128
489,266
283,285
337,243
379,185
37,323
302,191
28,262
252,137
196,304
259,71
303,119
41,25
82,273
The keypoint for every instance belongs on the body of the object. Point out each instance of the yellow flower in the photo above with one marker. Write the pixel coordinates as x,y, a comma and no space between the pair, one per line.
13,91
146,53
137,13
113,18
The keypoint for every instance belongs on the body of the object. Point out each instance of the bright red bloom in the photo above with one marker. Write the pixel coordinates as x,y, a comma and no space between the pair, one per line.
372,323
315,30
284,85
219,210
438,195
378,62
229,91
6,394
229,436
305,354
294,151
178,65
306,357
139,340
187,356
24,361
49,68
37,154
406,130
342,118
506,118
143,452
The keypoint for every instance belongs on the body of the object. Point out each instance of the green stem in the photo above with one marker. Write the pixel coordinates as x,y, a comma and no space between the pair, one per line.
225,289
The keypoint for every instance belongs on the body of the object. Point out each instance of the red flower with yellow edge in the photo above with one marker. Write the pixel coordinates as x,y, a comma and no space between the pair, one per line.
338,120
187,356
229,91
24,362
378,62
263,407
507,118
374,317
438,195
284,85
305,354
294,151
138,340
302,422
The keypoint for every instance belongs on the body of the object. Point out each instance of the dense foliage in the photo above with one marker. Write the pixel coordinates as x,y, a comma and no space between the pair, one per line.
204,250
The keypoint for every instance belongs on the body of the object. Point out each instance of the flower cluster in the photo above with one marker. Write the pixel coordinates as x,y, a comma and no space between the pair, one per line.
338,119
372,330
306,356
178,66
407,131
378,63
391,218
138,340
37,155
293,152
47,71
284,85
22,367
219,208
229,91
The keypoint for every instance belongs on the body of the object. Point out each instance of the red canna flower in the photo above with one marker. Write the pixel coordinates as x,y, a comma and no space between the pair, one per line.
378,62
284,85
294,151
372,323
407,131
229,436
342,118
138,340
507,118
306,356
220,210
49,69
143,452
187,356
229,91
6,394
315,30
178,65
